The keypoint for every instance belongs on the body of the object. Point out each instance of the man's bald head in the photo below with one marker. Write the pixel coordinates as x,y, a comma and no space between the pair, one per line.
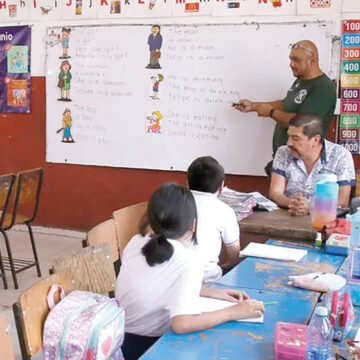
304,60
309,46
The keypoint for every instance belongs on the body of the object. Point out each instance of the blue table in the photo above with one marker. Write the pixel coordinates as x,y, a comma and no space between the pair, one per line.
352,288
264,280
265,274
232,340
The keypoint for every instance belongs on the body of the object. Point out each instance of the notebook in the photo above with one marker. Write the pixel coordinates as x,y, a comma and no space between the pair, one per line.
273,252
210,304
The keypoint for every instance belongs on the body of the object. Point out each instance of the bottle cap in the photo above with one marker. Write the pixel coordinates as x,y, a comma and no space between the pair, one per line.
321,311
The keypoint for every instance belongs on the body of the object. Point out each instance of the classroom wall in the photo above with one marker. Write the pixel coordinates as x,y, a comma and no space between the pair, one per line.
79,197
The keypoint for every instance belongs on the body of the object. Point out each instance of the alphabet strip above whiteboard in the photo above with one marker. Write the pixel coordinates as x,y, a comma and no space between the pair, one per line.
131,96
53,10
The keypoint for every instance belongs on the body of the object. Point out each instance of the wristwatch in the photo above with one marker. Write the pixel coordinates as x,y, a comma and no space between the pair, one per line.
271,112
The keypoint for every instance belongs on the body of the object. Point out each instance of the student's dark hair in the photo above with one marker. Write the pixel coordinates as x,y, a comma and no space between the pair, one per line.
156,25
171,213
205,174
312,124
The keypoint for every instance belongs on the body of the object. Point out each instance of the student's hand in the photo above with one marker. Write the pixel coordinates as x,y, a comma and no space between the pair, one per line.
263,110
244,105
233,295
246,309
299,205
224,294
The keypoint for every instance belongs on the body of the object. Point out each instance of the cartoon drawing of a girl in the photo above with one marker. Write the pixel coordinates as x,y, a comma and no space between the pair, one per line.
64,80
154,121
156,79
65,37
66,126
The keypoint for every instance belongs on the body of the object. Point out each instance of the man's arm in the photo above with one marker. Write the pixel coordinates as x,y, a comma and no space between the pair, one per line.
281,117
344,196
277,190
232,255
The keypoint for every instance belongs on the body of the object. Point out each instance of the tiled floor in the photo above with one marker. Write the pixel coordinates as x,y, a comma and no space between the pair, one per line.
50,243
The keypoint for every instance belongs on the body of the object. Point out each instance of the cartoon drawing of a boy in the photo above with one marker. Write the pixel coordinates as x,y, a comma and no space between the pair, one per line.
156,79
64,39
66,126
154,42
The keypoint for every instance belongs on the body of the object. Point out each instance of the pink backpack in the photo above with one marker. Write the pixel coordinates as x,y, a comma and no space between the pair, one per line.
83,326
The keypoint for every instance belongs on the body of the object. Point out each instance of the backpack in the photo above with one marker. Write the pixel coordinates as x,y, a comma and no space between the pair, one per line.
83,326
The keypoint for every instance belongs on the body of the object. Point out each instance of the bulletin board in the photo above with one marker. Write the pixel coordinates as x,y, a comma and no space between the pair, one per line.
119,106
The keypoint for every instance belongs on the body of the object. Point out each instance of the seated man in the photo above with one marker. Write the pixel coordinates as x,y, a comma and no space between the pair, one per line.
296,166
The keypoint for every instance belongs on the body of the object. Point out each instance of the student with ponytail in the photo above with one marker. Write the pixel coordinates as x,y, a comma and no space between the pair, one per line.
159,283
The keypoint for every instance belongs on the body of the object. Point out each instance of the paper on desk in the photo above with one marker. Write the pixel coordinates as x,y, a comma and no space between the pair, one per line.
210,304
273,252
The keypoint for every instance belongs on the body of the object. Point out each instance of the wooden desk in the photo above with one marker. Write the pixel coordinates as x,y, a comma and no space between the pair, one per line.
278,225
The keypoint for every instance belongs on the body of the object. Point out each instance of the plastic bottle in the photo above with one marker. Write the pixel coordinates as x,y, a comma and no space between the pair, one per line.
325,199
318,240
320,336
353,270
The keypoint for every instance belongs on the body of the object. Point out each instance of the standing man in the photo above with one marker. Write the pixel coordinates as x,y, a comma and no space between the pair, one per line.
311,93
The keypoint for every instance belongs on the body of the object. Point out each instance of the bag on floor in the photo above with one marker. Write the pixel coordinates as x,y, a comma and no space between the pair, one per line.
83,326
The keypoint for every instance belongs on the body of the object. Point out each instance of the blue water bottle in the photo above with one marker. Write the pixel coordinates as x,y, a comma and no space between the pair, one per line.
320,336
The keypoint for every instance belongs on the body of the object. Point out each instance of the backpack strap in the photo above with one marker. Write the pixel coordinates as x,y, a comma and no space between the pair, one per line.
50,296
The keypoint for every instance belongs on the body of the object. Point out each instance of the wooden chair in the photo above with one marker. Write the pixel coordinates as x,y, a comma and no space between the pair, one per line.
127,223
31,310
6,347
90,268
22,211
6,187
105,233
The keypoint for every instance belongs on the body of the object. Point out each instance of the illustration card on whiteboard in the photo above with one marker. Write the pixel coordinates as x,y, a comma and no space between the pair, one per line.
159,105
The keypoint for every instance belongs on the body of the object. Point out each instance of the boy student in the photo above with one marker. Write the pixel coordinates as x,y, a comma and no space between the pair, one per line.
160,279
217,222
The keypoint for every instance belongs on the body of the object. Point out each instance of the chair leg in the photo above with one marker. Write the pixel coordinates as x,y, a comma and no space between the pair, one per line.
2,270
34,249
11,261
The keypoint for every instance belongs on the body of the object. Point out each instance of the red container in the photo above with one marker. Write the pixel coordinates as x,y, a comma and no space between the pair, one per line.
290,341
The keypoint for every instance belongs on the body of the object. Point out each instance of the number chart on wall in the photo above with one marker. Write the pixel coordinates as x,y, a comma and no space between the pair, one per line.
349,136
141,96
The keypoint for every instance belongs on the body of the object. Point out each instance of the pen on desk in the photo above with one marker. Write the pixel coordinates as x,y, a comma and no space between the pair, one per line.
295,244
270,302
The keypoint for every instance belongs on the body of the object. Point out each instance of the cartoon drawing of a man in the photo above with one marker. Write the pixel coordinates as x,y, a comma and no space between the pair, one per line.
154,121
154,42
65,37
66,126
156,79
64,80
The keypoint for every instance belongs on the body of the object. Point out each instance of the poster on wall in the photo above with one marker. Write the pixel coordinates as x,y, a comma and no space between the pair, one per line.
275,7
232,7
14,10
15,69
305,7
349,136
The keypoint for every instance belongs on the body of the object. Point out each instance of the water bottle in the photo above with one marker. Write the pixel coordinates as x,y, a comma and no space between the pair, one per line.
353,270
320,335
325,199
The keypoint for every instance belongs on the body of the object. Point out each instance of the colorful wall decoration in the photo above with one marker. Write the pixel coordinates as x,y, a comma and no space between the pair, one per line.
15,69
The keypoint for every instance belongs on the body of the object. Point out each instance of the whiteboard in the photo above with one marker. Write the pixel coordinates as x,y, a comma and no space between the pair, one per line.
118,120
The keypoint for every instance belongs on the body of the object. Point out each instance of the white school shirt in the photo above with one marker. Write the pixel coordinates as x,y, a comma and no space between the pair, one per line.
152,295
216,223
